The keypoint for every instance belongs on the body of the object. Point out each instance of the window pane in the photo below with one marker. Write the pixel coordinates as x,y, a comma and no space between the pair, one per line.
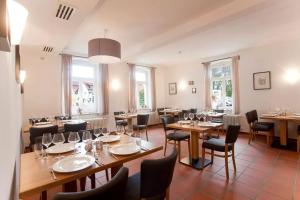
83,72
141,88
140,76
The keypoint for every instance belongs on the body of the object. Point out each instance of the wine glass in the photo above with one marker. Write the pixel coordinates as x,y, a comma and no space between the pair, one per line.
97,132
46,141
58,139
73,138
185,116
38,147
86,136
199,116
105,132
120,129
191,116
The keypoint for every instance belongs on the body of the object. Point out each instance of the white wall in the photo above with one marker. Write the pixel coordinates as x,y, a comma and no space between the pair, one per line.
277,58
10,123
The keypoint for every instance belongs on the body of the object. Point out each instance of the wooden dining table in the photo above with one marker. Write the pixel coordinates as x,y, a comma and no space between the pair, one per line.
171,111
36,176
194,160
128,116
283,125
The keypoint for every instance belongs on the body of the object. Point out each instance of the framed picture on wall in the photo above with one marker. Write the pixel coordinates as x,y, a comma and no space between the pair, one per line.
172,88
262,80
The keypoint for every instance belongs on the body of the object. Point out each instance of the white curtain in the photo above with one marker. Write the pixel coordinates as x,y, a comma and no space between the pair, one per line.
235,85
66,66
207,95
131,93
153,89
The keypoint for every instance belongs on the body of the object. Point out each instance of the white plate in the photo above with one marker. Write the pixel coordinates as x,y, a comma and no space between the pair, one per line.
61,148
184,122
125,149
73,163
297,114
75,121
42,126
42,123
208,124
109,138
269,115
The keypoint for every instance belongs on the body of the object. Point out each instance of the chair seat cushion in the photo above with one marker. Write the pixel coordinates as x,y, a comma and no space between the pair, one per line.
133,187
178,136
139,127
216,144
121,122
263,126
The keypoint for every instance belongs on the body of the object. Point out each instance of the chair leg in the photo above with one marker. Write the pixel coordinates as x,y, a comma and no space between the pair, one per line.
203,157
189,147
82,183
298,144
212,156
250,136
226,161
165,146
179,151
107,175
233,159
43,195
93,181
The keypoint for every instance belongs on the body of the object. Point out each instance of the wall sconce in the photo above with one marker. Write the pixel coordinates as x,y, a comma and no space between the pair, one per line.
17,18
115,84
22,80
292,76
183,85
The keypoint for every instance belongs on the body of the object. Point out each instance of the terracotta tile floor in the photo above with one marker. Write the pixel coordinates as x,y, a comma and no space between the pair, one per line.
262,173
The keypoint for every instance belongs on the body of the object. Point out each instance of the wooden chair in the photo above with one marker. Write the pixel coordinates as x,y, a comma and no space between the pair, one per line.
221,145
267,128
174,135
154,180
112,190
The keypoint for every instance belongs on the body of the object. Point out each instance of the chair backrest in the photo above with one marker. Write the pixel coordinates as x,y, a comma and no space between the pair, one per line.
75,127
193,110
156,176
142,119
159,111
167,119
232,133
113,190
219,110
39,131
119,113
251,116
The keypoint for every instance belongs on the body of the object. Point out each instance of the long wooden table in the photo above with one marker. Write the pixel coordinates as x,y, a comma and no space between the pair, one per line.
194,160
283,125
35,176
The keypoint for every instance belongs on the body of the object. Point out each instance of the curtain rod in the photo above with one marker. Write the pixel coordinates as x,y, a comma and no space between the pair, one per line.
141,65
74,55
221,59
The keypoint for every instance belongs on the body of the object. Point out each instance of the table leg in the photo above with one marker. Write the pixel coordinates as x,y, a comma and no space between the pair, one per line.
114,170
194,160
70,187
283,132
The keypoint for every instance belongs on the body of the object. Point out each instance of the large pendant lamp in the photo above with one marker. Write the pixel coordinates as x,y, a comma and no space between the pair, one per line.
104,50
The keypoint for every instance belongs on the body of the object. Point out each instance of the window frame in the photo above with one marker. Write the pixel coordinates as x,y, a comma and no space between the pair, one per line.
81,80
147,83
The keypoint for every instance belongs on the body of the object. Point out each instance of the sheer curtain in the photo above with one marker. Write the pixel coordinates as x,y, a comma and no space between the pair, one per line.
131,94
66,66
153,89
105,89
235,85
207,94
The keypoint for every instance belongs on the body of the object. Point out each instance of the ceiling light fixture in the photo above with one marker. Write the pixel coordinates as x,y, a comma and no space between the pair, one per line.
104,50
17,17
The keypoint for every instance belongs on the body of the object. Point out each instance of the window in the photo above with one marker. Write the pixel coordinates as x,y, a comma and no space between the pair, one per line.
143,87
221,84
84,87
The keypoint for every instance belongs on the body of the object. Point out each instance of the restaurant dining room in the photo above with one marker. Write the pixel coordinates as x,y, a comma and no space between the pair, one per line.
139,99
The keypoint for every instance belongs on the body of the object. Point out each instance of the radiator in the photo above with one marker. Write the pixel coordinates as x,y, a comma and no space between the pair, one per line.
231,120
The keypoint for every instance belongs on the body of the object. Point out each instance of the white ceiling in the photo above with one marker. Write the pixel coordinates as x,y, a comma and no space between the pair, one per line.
152,32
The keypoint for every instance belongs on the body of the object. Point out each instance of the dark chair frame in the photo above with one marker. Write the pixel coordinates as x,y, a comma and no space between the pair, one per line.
142,123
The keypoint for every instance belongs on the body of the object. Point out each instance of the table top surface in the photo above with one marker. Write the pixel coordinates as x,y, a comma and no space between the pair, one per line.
35,175
286,118
126,116
200,127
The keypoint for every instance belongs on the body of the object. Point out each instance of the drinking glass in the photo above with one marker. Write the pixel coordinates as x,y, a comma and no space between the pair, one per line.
58,139
38,147
46,141
185,116
199,116
105,132
86,136
138,139
120,130
191,116
97,132
73,138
